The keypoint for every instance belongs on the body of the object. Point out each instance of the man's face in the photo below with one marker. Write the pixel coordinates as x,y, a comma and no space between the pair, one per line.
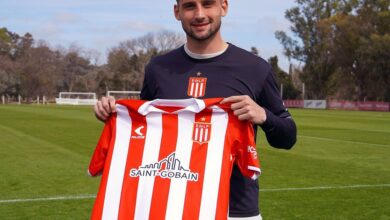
201,19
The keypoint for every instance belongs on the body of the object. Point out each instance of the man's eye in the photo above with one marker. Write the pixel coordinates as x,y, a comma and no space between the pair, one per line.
188,6
208,3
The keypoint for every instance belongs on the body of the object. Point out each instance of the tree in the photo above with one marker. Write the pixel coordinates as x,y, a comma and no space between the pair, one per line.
343,45
162,41
103,79
75,67
8,79
38,70
119,63
5,42
359,43
289,91
311,49
128,60
12,48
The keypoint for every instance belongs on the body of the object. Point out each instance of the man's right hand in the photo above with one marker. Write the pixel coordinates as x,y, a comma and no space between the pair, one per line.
104,107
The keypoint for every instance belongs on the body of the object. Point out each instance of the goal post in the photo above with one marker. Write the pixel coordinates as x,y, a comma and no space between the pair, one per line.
76,98
124,94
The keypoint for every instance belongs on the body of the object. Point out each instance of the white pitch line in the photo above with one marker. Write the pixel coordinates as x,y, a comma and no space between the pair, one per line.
261,190
49,199
338,140
325,187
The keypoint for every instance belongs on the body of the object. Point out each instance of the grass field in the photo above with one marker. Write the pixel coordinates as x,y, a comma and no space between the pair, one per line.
339,168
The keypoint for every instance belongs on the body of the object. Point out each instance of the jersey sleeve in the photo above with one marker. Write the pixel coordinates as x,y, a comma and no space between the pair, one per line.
100,154
244,149
279,128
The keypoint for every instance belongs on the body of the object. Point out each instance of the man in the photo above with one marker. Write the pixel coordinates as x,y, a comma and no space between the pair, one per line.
206,66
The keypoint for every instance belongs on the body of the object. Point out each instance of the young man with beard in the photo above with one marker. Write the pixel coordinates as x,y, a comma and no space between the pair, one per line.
207,66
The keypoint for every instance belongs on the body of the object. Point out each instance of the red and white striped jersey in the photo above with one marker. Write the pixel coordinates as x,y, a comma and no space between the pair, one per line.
170,159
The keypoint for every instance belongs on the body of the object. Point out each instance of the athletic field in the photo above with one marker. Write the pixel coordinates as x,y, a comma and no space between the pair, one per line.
339,169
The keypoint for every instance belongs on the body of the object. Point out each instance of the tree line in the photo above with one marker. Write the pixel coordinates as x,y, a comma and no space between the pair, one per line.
31,69
344,46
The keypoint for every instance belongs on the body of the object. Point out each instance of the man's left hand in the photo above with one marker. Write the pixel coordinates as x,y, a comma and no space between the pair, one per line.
246,109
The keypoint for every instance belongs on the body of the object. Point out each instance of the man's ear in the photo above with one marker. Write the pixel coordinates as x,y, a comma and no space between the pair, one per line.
225,7
176,11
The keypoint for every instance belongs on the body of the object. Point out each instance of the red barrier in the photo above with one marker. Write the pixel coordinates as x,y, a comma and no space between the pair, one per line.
345,105
382,106
294,103
361,106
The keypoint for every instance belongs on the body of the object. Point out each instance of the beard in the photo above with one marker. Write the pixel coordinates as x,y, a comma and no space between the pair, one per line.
211,32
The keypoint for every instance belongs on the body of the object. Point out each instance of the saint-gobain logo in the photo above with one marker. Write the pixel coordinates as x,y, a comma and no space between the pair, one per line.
172,170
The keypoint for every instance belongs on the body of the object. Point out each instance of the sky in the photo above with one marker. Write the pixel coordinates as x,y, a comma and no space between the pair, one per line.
99,25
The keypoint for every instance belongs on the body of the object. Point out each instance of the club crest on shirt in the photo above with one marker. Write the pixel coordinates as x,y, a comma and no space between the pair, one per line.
201,132
197,86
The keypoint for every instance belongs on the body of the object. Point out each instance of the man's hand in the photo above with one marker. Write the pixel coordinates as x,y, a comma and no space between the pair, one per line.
246,109
104,107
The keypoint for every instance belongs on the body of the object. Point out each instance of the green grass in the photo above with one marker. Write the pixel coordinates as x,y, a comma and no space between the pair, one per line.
334,149
45,151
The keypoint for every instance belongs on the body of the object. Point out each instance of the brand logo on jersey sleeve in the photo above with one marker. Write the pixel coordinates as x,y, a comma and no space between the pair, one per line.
169,167
197,86
252,151
201,132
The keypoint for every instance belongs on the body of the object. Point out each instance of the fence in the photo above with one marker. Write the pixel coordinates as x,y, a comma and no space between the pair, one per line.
339,104
5,99
310,104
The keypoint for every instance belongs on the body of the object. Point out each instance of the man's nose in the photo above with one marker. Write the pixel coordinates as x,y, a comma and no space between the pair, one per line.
199,13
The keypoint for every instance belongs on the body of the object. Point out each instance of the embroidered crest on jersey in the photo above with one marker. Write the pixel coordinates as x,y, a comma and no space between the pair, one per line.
169,167
197,86
201,132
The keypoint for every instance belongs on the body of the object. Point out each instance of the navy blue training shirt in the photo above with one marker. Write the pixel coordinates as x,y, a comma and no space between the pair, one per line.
176,75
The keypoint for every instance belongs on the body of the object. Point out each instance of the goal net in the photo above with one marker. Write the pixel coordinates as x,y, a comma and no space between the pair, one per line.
124,94
76,98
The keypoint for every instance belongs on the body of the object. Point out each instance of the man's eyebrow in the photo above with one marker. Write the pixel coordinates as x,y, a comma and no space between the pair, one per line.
187,3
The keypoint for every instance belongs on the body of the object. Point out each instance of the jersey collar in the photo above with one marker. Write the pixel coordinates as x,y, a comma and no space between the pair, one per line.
190,105
203,56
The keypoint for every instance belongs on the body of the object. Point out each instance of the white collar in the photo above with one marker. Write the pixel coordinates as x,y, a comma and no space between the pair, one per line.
202,56
192,105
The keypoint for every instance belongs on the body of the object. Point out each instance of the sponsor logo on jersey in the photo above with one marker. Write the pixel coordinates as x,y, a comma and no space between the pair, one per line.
197,86
137,133
201,132
169,167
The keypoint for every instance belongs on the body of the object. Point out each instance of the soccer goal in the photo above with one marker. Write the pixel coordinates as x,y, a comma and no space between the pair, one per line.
76,98
124,94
